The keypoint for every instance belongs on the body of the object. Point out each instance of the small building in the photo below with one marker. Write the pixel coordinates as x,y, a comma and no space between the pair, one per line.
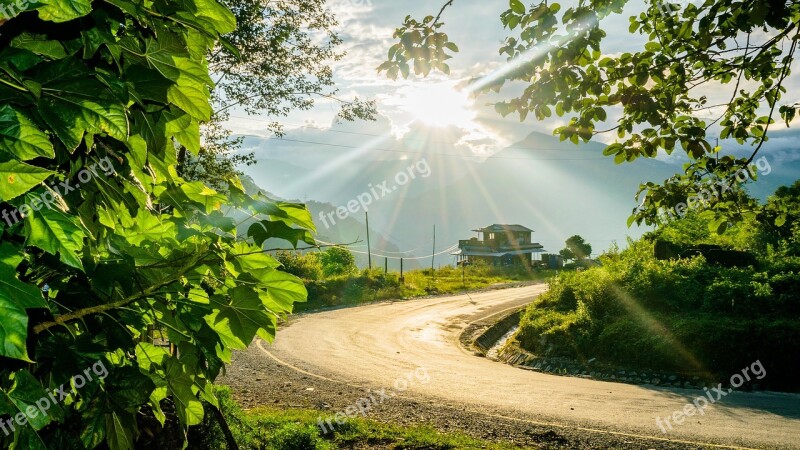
552,261
502,245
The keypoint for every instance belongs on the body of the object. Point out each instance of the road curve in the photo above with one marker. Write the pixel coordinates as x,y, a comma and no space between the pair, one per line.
375,345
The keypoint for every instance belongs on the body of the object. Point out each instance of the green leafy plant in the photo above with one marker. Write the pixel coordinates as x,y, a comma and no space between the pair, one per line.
116,264
337,261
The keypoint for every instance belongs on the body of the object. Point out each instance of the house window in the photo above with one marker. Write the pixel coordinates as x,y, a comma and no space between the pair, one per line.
491,236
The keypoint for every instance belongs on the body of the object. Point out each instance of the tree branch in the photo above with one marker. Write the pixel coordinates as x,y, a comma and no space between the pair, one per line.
304,248
441,11
98,309
786,68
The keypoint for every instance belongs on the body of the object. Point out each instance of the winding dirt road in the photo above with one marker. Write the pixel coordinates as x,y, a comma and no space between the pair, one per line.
375,345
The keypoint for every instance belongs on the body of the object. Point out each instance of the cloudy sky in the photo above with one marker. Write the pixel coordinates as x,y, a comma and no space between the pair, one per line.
433,114
367,26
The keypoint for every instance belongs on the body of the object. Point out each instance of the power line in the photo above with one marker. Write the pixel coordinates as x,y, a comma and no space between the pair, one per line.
330,130
449,249
437,154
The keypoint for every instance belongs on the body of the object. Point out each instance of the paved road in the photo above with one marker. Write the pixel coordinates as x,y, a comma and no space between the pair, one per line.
378,344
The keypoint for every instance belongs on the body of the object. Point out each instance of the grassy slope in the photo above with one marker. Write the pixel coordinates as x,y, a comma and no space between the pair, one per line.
636,311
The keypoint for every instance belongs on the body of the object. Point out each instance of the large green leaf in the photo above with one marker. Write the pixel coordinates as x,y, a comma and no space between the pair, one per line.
190,95
23,294
179,384
148,354
94,431
73,107
148,227
17,178
249,257
191,80
282,289
297,214
210,15
267,229
20,138
13,330
57,233
15,296
120,427
26,391
198,192
64,10
128,388
184,128
240,317
33,43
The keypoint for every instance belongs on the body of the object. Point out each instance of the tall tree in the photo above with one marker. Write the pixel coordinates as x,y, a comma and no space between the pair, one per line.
652,100
277,61
577,248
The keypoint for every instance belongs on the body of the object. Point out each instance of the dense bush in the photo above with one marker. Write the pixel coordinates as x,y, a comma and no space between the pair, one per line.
683,315
337,261
306,266
367,285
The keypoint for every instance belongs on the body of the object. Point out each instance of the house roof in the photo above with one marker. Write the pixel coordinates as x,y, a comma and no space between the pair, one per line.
529,251
497,228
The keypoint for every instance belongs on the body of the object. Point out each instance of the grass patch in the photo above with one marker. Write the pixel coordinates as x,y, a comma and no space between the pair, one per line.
297,429
375,285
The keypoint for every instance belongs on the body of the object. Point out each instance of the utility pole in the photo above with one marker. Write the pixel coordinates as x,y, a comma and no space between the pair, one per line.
369,248
402,280
386,265
464,273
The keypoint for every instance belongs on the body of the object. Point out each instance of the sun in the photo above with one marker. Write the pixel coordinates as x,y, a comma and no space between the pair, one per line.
438,104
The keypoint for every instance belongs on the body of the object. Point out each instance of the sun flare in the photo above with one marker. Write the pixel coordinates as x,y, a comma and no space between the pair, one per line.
437,104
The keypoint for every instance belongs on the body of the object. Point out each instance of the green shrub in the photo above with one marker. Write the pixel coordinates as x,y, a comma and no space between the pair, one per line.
683,315
338,261
306,266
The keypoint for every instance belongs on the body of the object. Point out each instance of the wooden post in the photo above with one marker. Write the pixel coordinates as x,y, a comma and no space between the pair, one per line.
386,265
433,256
369,248
464,273
402,280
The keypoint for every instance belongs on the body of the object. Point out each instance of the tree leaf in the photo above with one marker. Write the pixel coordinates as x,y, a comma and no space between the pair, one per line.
17,178
240,317
198,192
21,138
518,7
179,384
64,10
283,290
267,229
149,227
13,329
119,430
25,392
11,288
57,233
72,114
